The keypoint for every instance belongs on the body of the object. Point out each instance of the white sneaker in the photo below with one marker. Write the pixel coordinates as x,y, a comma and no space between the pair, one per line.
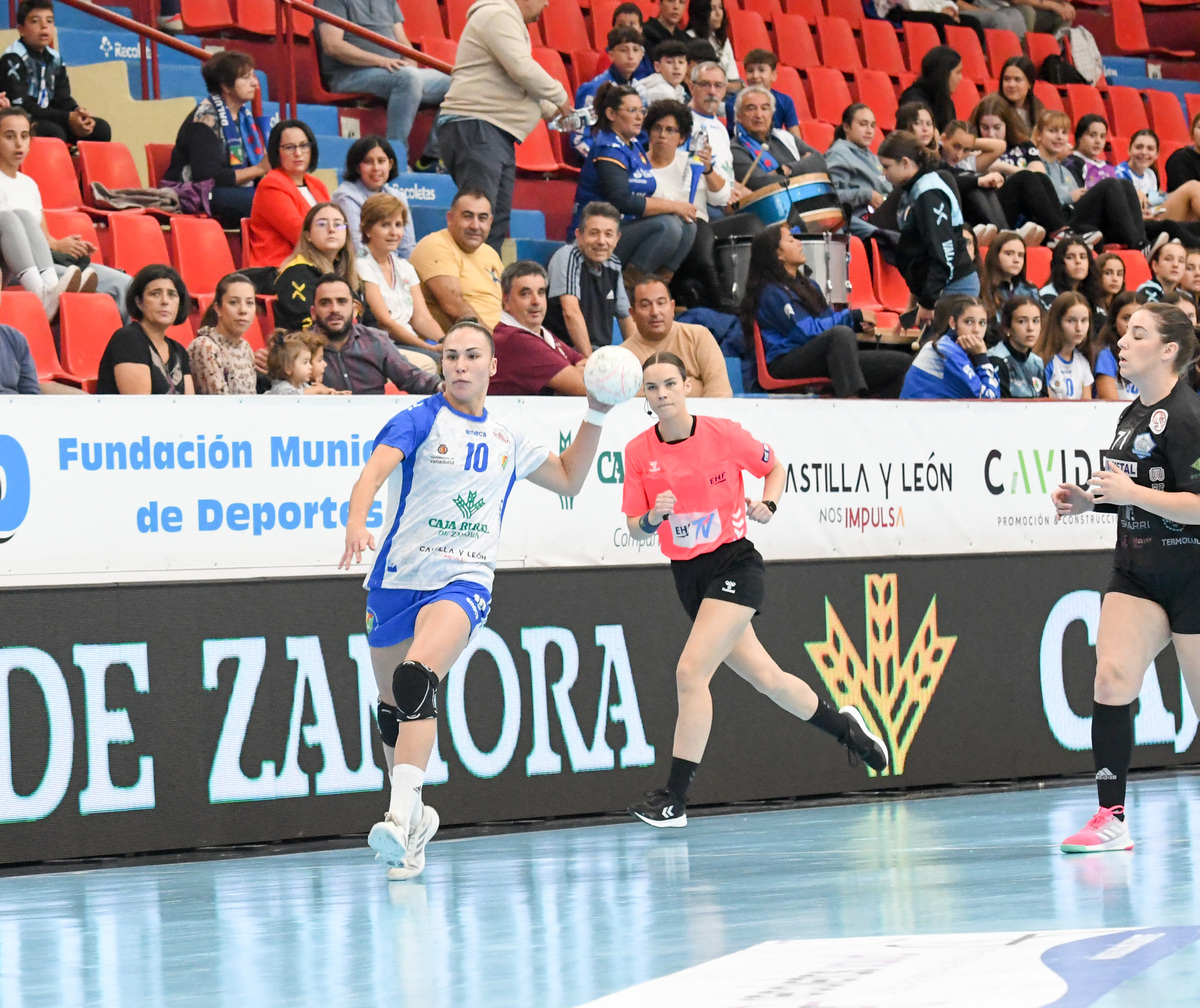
1032,234
389,841
89,280
418,837
984,233
1092,238
68,283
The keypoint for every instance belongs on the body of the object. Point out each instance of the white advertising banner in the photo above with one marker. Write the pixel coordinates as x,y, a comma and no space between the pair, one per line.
118,489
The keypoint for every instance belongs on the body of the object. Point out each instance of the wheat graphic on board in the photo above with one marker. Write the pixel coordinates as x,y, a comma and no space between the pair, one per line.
891,695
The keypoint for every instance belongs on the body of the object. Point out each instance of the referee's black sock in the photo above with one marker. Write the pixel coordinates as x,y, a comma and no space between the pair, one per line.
1112,751
680,779
829,720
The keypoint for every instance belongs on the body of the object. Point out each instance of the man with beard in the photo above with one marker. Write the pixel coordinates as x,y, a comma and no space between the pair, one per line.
358,358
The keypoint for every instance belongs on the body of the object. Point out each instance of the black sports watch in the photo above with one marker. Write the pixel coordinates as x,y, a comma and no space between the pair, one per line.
772,505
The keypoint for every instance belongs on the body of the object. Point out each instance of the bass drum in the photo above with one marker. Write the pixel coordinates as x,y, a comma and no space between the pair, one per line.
733,263
808,202
828,265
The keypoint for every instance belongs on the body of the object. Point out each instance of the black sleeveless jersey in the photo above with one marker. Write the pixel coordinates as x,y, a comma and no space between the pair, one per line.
1158,446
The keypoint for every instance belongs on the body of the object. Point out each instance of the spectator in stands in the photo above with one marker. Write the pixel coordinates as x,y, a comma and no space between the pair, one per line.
670,71
1109,208
222,362
35,79
953,363
1191,272
993,14
708,100
938,13
583,282
24,248
141,359
360,359
917,118
685,177
762,70
1184,165
286,193
1070,270
317,343
1091,134
391,287
654,316
1047,16
666,24
1141,168
1103,351
1021,372
530,359
18,372
170,17
323,247
1109,272
629,15
1168,262
353,63
931,253
1016,87
1063,347
656,233
289,363
802,336
370,169
625,51
763,156
855,171
220,143
1004,276
995,119
497,94
707,23
941,73
460,273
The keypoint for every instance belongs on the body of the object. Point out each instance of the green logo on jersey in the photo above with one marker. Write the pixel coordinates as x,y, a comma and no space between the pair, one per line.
469,506
1196,465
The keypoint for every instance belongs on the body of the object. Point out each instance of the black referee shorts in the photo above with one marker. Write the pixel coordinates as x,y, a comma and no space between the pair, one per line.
733,572
1177,591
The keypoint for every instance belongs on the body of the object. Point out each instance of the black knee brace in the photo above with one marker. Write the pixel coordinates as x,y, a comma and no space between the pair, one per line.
389,723
415,688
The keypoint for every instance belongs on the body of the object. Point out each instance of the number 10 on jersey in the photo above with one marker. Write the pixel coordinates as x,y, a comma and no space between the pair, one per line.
477,456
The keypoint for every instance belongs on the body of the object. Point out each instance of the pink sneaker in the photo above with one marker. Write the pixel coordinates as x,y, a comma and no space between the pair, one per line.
1104,832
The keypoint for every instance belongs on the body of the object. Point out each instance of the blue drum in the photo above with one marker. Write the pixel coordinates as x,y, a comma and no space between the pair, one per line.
807,201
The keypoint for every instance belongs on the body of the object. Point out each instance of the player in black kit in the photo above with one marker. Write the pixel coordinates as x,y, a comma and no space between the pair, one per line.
1152,481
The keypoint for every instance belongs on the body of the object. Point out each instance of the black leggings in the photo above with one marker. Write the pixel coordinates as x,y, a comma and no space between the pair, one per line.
1031,195
834,354
1112,208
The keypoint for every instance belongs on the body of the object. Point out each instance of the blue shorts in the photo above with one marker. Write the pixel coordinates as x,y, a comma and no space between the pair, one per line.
392,612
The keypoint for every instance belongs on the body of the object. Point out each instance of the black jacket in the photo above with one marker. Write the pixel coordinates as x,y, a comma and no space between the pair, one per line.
23,73
932,251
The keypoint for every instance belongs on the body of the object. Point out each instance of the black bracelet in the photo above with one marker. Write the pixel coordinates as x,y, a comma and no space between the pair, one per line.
771,505
707,171
645,526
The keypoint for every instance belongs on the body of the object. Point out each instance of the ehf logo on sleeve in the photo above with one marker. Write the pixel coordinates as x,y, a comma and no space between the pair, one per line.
766,453
1158,421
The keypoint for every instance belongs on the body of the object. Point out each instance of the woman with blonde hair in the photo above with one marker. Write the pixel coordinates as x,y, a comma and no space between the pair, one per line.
324,247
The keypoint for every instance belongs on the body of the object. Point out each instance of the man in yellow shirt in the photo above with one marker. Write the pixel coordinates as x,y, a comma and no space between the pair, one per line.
653,313
460,273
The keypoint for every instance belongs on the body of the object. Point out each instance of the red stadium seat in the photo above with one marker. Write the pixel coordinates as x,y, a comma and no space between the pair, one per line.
1193,106
890,287
1129,32
110,164
790,84
444,49
1137,270
862,287
850,10
585,64
207,15
258,16
1166,116
966,97
796,47
200,252
61,223
768,9
817,386
1001,45
422,20
137,241
875,89
830,94
966,43
49,164
23,311
881,47
1039,45
919,38
747,30
810,10
1128,111
1083,99
562,24
1048,95
837,45
86,323
158,160
535,154
817,134
551,61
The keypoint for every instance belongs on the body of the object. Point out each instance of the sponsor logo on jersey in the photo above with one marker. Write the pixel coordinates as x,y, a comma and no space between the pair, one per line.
730,587
504,460
1143,445
1127,467
655,467
476,433
442,449
442,456
371,620
470,504
714,480
1158,421
500,436
766,453
1158,474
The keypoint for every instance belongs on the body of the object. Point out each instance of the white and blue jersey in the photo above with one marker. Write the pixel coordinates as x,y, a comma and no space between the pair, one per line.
446,499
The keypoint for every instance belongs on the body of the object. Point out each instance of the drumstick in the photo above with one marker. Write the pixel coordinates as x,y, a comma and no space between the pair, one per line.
754,164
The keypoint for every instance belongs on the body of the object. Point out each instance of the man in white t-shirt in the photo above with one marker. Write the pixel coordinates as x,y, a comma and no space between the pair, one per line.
708,102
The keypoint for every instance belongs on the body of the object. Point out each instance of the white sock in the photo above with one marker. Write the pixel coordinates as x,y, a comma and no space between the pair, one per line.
49,278
31,280
407,781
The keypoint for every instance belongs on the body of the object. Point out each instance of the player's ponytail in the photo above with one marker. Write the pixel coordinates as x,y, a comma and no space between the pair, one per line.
1175,327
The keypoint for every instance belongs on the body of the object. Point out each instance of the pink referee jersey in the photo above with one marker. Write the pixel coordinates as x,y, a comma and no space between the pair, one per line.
704,473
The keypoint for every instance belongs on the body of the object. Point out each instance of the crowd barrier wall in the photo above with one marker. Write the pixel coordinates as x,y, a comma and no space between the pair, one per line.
184,686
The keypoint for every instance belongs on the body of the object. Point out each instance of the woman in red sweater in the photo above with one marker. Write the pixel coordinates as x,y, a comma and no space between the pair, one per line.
285,194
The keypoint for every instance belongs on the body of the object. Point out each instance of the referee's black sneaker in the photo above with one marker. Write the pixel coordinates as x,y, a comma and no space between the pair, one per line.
661,808
859,740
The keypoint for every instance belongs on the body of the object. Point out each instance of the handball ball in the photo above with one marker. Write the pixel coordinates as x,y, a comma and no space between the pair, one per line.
612,375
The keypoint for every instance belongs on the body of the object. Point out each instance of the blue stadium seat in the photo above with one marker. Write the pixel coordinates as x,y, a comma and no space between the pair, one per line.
426,189
537,249
427,219
332,151
734,366
527,224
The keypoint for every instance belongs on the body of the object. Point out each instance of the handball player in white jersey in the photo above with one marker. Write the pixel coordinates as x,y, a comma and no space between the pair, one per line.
450,467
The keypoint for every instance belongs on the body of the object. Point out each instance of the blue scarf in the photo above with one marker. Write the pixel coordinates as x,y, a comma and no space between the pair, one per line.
242,136
766,161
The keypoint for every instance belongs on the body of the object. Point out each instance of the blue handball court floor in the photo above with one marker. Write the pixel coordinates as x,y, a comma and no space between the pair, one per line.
960,901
